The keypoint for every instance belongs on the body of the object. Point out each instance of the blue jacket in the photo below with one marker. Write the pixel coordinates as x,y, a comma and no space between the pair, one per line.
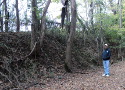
106,54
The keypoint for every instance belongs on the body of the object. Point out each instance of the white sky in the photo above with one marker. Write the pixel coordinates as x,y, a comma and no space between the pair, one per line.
55,10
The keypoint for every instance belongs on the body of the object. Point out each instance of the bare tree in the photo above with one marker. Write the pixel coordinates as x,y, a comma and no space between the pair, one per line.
1,19
120,13
68,65
38,32
34,26
17,16
91,13
6,16
42,33
65,13
120,26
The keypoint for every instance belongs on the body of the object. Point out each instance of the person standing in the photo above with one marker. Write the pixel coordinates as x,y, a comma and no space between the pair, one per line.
106,54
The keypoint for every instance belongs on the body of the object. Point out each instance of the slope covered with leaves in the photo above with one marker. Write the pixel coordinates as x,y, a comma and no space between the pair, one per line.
20,70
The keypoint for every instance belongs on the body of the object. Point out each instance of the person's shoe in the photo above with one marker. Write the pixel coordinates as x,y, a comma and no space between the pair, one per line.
107,75
103,75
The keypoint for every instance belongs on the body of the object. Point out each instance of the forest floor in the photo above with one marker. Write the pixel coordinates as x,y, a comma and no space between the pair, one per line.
88,80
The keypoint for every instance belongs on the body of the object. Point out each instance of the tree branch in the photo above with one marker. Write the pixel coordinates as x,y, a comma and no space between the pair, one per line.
46,8
2,2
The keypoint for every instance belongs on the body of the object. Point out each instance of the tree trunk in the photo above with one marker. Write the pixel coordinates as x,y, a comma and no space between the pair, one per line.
6,16
34,26
37,34
120,13
91,18
68,18
1,19
120,26
101,36
35,42
68,65
17,16
43,27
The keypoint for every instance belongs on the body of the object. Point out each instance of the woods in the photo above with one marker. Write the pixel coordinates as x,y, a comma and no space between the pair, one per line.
42,38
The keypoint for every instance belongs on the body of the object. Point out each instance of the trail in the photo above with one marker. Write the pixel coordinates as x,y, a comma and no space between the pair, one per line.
91,80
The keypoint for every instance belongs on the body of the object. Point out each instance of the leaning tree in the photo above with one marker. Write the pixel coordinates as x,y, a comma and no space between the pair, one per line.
38,27
72,28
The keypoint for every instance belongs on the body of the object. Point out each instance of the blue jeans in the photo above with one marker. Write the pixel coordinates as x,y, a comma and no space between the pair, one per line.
106,67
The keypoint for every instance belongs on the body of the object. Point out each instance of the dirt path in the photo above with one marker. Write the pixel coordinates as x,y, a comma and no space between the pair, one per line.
92,80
